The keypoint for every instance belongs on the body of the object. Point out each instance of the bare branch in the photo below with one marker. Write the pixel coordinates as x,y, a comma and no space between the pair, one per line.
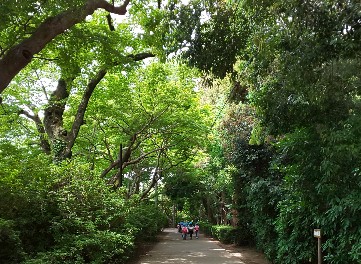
79,117
110,22
141,157
42,86
108,153
156,177
141,56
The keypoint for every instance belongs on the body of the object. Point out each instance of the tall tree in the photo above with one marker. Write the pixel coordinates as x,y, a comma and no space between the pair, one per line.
155,115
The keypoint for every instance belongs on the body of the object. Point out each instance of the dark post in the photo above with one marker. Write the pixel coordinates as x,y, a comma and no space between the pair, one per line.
317,234
319,251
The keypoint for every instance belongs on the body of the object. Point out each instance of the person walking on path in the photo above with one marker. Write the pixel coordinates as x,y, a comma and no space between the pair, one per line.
196,230
179,226
184,232
190,230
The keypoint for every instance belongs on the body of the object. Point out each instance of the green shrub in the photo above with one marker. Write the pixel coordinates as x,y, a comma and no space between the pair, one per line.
242,235
146,221
295,243
24,200
263,196
88,225
10,245
239,235
95,247
71,216
205,228
224,234
341,229
227,234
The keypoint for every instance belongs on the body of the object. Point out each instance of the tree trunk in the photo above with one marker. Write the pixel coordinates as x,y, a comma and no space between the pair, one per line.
222,209
209,211
119,175
53,120
61,140
174,215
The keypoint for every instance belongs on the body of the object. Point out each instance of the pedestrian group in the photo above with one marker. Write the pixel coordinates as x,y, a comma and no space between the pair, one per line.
187,228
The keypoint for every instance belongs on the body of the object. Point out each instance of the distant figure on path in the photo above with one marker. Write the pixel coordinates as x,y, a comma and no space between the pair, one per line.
184,232
196,230
179,226
190,230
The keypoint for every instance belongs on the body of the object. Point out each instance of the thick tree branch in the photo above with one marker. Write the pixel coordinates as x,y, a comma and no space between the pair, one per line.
28,115
110,22
107,146
127,162
79,117
125,158
157,175
21,55
141,56
131,148
145,155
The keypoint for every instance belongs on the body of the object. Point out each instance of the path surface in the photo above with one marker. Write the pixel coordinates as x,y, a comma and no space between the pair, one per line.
172,249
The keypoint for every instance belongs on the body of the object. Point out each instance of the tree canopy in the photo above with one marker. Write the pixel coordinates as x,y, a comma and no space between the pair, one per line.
119,116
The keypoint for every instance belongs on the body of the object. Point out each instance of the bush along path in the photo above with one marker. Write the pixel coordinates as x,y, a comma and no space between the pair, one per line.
171,248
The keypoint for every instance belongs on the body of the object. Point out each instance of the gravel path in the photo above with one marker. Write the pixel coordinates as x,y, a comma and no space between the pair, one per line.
172,249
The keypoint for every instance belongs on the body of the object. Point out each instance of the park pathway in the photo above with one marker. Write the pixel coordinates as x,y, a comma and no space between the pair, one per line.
172,249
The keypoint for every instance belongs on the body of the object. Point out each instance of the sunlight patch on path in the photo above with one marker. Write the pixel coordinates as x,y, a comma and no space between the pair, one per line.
173,249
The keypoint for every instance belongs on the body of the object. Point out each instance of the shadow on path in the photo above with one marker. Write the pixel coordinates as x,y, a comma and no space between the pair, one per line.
173,249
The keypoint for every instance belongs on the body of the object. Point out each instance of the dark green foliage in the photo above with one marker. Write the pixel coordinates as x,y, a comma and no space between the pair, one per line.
205,227
224,234
257,185
207,51
320,191
262,196
231,235
10,244
91,247
258,190
301,67
70,216
295,242
146,221
182,185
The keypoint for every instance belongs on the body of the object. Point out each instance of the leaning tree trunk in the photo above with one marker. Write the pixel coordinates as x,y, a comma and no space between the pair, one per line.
53,121
61,140
21,54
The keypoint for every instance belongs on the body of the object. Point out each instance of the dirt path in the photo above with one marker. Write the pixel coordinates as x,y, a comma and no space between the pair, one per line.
172,249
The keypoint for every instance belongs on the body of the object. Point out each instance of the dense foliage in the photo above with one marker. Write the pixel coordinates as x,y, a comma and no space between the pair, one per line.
106,134
91,129
68,215
293,138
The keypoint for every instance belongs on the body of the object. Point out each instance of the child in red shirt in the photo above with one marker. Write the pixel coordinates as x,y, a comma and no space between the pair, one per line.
196,230
184,232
